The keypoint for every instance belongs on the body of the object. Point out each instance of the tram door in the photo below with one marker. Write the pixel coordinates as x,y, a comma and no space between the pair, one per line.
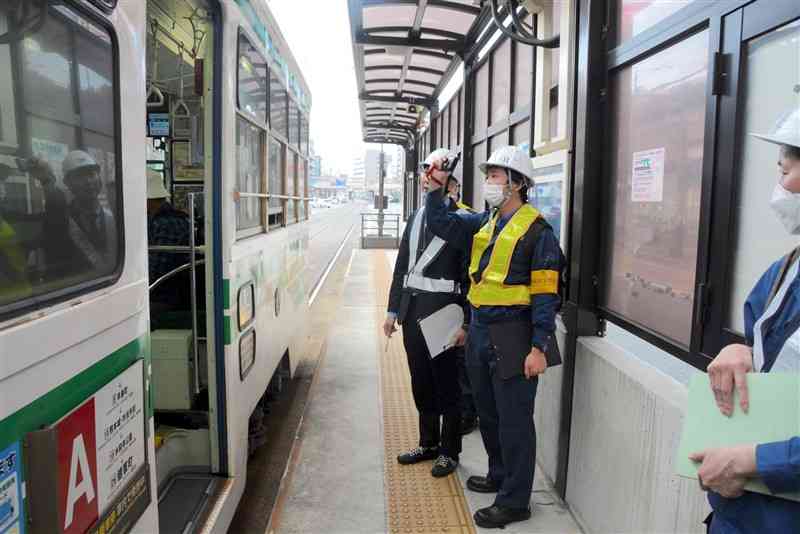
179,132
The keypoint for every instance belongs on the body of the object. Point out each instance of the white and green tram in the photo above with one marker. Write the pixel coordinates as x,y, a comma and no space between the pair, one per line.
129,401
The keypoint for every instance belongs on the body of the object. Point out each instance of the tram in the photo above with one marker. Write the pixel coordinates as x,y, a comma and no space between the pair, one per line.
130,401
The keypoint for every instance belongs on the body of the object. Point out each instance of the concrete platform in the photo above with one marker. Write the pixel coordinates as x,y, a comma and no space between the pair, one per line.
339,477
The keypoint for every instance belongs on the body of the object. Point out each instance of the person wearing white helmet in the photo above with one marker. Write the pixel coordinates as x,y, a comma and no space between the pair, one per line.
430,275
514,271
96,232
771,316
166,226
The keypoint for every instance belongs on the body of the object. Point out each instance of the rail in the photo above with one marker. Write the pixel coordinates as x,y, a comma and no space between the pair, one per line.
384,227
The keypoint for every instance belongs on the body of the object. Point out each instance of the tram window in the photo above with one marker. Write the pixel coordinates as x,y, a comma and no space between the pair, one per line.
294,124
276,171
252,81
60,200
303,188
304,136
291,185
249,159
278,99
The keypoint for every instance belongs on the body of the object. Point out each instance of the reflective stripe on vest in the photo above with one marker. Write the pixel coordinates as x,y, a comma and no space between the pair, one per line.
415,279
491,289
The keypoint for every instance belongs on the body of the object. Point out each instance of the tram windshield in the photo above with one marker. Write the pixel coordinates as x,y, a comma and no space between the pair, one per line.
60,201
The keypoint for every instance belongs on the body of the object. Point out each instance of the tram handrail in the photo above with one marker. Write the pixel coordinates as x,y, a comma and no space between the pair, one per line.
173,272
176,249
242,194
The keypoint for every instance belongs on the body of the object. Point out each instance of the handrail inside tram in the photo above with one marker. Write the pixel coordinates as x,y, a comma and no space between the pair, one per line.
172,273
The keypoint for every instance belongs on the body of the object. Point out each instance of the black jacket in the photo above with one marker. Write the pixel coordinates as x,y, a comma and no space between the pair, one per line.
450,264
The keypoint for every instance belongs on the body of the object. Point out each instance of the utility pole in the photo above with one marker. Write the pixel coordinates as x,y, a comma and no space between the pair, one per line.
381,177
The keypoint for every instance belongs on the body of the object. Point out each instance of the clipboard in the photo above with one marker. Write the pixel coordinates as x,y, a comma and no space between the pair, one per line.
512,341
440,328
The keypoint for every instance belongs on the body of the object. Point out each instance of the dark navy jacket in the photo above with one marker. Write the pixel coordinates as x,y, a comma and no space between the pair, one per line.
778,463
458,230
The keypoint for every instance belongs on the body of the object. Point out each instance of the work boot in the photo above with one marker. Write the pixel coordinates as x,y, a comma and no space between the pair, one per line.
468,424
420,454
443,466
496,516
480,484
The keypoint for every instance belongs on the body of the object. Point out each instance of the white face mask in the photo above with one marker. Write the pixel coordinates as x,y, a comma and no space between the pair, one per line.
494,194
786,206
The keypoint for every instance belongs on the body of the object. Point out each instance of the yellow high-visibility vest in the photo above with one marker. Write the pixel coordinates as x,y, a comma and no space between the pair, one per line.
492,290
14,283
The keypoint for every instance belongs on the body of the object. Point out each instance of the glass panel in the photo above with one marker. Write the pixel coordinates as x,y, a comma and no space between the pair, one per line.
276,171
291,186
249,152
419,59
521,134
478,156
447,19
636,16
60,210
482,99
392,15
278,100
546,197
501,82
302,180
461,118
422,76
417,87
770,90
377,74
656,170
554,12
252,81
499,140
524,72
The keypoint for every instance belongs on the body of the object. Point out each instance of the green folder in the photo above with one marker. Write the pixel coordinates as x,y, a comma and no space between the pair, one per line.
774,415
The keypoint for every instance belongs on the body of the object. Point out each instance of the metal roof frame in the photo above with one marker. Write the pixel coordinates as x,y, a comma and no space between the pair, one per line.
420,47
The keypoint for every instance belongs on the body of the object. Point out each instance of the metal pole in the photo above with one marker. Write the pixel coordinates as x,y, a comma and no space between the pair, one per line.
380,193
193,296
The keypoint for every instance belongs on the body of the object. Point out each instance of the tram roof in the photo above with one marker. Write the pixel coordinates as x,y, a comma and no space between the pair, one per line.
405,52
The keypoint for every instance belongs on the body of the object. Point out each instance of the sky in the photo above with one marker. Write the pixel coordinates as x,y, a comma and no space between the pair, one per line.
318,33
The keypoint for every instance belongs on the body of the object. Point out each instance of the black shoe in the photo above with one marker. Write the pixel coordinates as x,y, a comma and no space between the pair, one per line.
443,466
497,516
420,454
482,484
468,424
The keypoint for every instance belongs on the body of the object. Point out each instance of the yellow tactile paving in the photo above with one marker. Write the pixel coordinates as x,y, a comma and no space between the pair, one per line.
415,501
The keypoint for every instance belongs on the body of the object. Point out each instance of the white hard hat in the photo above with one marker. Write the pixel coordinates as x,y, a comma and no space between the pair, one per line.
439,153
155,185
786,130
510,157
76,160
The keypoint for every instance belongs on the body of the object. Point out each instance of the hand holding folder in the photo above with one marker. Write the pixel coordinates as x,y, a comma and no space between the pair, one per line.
773,415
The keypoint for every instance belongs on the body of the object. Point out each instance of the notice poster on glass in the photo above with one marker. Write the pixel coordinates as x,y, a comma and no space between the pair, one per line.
647,184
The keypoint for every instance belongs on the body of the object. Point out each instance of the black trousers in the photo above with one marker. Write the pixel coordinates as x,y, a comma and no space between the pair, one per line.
434,383
468,411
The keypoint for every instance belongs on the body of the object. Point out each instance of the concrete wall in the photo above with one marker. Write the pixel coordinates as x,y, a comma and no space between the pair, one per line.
626,423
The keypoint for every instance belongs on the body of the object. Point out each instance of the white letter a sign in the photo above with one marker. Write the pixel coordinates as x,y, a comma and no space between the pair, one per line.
75,489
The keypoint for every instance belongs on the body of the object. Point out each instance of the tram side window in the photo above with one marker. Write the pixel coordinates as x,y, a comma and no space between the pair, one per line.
278,99
291,185
252,82
250,170
60,199
276,170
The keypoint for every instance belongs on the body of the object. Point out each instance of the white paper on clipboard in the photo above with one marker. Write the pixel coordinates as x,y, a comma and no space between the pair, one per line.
439,328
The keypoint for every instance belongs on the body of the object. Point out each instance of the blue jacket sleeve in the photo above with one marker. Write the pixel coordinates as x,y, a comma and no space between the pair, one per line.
754,306
778,465
455,228
544,306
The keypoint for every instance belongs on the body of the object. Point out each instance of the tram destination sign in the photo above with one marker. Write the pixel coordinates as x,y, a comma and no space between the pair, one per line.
88,472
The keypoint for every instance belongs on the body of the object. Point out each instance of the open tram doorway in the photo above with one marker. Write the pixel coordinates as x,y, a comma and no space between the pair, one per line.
179,56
